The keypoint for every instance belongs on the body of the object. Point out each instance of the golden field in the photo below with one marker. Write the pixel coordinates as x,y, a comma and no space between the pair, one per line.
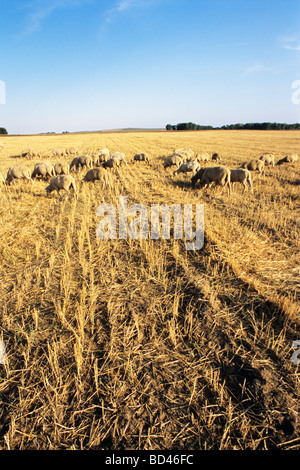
141,344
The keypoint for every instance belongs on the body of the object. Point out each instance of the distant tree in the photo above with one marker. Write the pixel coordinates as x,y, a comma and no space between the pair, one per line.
187,126
262,126
169,127
3,130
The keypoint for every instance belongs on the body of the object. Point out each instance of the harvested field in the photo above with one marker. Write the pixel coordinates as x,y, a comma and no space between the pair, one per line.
141,344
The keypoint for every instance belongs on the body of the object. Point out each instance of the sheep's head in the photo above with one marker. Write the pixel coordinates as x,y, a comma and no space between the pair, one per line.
49,189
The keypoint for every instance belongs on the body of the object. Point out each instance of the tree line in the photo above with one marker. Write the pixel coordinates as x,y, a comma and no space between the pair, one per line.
3,130
190,126
187,126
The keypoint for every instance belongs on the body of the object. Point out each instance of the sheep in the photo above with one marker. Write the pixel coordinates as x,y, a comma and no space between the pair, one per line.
173,160
241,175
59,153
185,154
18,172
97,174
268,158
121,157
187,167
255,165
29,153
202,157
61,168
71,151
220,175
60,182
103,155
43,170
141,157
80,162
216,158
288,159
111,163
95,159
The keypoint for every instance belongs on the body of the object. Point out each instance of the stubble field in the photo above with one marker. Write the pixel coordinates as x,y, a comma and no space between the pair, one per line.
141,344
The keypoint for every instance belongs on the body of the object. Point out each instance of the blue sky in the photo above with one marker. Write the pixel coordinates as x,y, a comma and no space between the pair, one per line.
71,65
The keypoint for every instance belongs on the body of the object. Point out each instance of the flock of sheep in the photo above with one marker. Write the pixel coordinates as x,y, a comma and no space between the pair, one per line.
97,164
186,162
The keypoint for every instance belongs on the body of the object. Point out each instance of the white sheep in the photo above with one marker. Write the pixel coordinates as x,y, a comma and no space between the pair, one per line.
202,157
61,168
187,167
65,182
255,165
268,158
220,175
97,174
241,175
173,160
18,172
43,170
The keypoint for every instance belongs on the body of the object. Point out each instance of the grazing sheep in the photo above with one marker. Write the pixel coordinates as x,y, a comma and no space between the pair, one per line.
59,153
29,153
141,157
173,160
241,175
81,161
43,170
71,151
202,157
268,158
95,159
185,154
216,157
61,168
187,167
121,157
60,182
18,172
103,155
97,174
111,163
103,158
288,159
255,165
220,175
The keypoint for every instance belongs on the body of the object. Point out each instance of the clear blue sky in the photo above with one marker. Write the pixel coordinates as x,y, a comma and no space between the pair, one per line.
73,65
